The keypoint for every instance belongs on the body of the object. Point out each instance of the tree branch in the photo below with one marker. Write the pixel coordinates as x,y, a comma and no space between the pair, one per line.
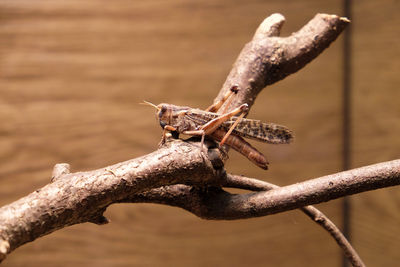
179,174
83,196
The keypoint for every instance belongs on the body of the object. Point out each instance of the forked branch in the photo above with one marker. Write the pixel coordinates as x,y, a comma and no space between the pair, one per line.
268,58
179,174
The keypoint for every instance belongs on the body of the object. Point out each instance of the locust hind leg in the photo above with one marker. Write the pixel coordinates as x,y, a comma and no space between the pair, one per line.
214,124
215,107
231,129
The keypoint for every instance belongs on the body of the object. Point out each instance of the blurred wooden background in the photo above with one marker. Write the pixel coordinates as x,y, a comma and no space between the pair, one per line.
73,72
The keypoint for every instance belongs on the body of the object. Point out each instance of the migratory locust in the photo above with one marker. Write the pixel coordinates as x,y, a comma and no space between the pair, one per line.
226,128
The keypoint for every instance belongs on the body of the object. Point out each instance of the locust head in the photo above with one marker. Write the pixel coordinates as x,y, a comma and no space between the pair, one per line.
168,114
164,114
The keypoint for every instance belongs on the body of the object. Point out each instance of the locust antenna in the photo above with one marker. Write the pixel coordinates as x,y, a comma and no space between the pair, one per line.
150,104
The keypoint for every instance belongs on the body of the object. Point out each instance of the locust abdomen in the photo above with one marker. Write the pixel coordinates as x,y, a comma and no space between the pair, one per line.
243,147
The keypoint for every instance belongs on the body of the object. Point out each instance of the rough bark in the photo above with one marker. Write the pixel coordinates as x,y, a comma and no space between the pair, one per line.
80,197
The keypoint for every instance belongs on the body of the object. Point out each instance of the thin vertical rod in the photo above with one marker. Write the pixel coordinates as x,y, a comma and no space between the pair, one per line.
346,113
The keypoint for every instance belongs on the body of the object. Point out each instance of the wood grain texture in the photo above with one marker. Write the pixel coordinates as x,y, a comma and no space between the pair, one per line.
71,73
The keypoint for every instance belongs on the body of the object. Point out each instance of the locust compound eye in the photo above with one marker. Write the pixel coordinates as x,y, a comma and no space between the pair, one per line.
163,124
163,109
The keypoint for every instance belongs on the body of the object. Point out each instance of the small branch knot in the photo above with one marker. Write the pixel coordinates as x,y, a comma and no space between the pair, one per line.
271,26
99,220
60,170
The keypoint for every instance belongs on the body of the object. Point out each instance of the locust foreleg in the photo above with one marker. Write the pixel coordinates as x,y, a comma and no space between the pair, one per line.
166,129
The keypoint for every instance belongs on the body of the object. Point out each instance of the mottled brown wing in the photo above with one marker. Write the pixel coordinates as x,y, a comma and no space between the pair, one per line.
200,117
261,131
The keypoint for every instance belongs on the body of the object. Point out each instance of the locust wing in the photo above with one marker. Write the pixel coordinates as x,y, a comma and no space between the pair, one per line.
261,131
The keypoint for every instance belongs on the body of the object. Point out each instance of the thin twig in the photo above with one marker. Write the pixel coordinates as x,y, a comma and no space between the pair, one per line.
236,181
